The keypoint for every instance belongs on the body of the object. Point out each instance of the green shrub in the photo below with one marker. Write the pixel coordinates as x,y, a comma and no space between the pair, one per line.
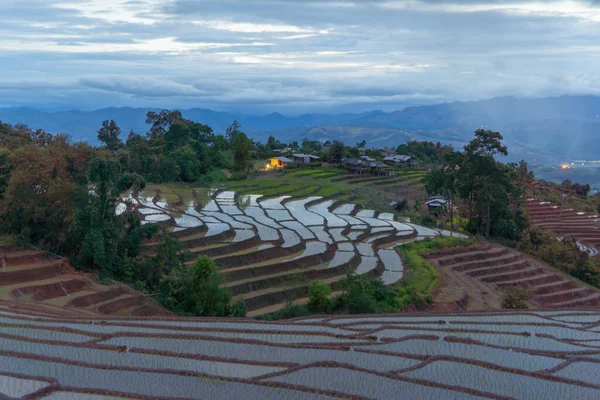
359,294
516,298
318,297
291,310
213,176
428,220
238,176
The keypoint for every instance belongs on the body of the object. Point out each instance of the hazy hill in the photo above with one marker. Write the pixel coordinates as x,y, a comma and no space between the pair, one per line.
548,129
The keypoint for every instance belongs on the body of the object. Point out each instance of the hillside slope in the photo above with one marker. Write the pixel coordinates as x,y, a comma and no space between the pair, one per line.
34,279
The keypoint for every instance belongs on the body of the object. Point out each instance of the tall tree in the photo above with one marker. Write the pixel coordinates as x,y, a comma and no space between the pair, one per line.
38,201
109,135
232,131
177,136
483,182
160,122
101,239
336,152
241,152
443,181
5,167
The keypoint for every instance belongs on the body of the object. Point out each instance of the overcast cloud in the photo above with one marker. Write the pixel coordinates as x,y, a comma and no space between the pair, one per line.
293,56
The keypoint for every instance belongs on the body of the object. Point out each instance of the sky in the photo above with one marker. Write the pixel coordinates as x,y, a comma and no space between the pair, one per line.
293,56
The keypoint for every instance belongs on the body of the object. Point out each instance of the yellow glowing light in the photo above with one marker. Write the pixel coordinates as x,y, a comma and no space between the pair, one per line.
564,166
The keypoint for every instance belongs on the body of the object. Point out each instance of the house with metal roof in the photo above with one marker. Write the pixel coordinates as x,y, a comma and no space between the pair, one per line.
400,160
305,159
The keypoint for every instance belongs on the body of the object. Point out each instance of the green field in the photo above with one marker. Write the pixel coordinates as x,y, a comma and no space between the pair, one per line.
367,191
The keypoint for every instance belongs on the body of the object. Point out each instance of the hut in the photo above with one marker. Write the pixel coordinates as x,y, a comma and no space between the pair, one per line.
400,160
305,159
280,162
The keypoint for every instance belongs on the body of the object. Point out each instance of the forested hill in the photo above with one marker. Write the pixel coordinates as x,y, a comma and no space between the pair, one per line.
549,129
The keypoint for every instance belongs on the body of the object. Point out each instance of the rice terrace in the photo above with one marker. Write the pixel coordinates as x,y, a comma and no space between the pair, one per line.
263,242
541,354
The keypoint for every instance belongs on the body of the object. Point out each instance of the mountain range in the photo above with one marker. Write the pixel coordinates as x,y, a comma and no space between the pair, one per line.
545,130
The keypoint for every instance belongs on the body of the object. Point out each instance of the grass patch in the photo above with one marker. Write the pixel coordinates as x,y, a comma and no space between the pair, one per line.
420,277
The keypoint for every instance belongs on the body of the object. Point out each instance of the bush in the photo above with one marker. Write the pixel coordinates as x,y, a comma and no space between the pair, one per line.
238,176
402,206
197,290
359,294
213,177
428,220
516,298
204,294
318,297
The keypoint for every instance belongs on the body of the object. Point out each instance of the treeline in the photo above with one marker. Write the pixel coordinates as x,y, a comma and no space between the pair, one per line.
178,150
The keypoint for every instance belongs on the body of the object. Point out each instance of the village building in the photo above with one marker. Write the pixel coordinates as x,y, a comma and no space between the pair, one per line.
355,166
399,160
437,206
361,166
280,162
387,152
305,159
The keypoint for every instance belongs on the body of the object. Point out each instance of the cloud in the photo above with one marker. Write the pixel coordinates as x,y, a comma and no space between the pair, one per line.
141,86
292,55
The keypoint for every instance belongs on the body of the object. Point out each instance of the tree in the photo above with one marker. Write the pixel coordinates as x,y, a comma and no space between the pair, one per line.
318,297
99,239
109,135
484,183
38,195
443,181
201,133
486,144
427,153
41,138
273,143
204,294
189,165
358,294
336,152
523,171
160,122
581,190
241,152
178,135
5,168
232,131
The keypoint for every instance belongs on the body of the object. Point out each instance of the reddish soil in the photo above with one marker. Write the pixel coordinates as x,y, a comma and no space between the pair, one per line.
584,227
473,278
34,280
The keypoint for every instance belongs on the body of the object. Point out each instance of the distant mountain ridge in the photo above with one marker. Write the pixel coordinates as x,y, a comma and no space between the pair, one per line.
554,128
